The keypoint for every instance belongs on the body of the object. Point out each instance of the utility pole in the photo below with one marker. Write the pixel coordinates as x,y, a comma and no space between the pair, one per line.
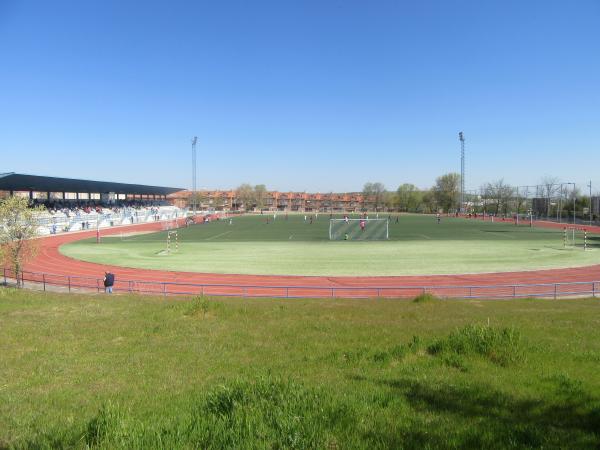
194,141
461,138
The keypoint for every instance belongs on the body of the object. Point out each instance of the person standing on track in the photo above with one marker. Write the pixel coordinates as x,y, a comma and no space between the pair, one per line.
109,282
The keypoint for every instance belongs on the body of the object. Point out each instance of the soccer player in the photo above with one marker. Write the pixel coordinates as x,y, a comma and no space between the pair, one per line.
439,218
362,225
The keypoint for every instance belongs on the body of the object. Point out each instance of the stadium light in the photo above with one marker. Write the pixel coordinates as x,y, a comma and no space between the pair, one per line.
590,186
194,141
461,138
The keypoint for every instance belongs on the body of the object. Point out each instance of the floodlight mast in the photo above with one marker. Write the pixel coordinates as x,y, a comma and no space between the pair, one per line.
461,138
590,186
194,141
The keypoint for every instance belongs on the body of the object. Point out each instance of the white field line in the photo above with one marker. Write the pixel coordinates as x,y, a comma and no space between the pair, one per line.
218,235
502,234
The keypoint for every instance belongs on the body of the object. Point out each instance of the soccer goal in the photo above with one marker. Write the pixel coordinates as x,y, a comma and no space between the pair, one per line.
575,237
358,229
172,241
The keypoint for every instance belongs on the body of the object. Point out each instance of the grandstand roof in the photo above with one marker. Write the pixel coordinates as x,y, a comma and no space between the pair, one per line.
19,182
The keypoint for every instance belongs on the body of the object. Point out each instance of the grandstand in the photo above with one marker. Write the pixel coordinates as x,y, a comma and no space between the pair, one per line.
75,204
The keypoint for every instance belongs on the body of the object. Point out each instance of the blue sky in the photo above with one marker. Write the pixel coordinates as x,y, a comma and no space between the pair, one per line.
301,95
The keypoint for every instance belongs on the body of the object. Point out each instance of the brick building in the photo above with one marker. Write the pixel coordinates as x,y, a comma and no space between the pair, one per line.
277,201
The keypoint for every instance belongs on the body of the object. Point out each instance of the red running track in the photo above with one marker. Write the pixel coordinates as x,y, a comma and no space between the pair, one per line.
50,261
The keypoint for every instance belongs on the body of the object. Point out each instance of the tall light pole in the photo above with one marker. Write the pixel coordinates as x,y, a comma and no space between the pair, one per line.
461,138
590,186
574,202
194,141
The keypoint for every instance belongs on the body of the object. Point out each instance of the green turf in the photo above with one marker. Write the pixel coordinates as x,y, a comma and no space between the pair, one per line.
417,245
141,372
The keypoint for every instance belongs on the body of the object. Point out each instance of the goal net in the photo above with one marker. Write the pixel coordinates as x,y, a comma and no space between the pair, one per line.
358,229
575,237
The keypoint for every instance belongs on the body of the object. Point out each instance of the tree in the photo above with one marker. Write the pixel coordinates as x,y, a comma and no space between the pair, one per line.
550,185
445,191
374,191
198,198
389,200
245,194
408,197
260,194
500,193
18,225
429,201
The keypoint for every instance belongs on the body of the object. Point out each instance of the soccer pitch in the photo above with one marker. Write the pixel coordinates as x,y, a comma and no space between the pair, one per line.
417,245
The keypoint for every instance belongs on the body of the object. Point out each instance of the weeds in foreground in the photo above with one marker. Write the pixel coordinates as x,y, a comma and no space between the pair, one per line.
267,413
425,297
198,304
502,346
272,413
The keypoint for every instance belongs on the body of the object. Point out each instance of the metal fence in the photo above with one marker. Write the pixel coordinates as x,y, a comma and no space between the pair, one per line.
46,281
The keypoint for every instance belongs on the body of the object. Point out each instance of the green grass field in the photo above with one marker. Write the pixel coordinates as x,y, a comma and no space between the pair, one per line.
136,372
417,245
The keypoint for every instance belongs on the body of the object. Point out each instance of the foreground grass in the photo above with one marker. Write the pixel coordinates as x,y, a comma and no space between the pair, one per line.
143,372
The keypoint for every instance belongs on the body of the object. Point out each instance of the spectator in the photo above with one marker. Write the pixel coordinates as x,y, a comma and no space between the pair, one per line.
109,281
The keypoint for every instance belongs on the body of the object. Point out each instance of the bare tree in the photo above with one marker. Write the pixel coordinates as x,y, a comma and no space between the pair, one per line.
550,186
198,198
374,191
500,193
18,227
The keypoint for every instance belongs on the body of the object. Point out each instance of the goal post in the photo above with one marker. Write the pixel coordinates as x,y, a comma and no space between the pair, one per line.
172,238
575,237
359,229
